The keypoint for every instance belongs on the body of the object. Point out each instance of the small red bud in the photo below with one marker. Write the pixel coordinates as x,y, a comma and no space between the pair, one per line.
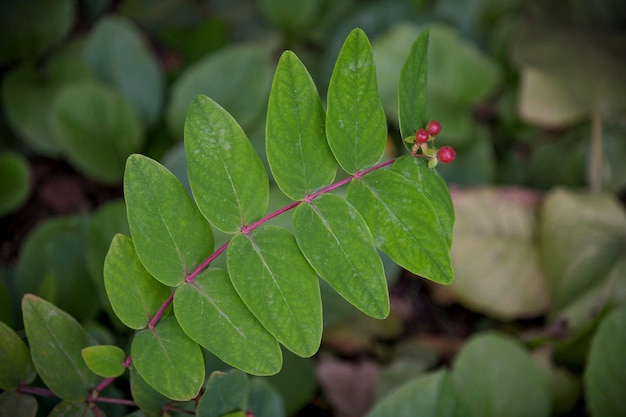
446,154
433,128
422,136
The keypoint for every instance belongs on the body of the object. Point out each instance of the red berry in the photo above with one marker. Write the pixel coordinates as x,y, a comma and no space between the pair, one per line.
446,154
433,127
422,136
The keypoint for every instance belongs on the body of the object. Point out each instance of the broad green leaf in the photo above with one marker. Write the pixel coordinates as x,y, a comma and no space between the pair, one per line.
403,223
55,340
227,177
430,395
412,109
338,244
168,360
237,77
134,294
225,392
146,398
605,372
265,400
210,311
56,249
496,253
356,127
297,150
15,363
30,28
433,186
68,409
15,404
106,361
170,234
279,287
14,181
97,128
495,376
116,51
582,237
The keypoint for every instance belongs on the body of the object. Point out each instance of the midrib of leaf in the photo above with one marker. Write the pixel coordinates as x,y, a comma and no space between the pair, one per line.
208,297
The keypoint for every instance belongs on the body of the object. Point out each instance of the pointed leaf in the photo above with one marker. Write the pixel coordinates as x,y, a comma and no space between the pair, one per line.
605,373
170,235
134,294
297,151
210,311
15,404
279,287
15,363
227,177
168,360
338,244
356,126
403,223
225,392
433,186
144,395
56,340
106,361
412,109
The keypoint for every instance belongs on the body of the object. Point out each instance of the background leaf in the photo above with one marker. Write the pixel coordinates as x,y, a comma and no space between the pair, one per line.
356,127
264,399
15,364
297,151
225,392
14,181
222,162
279,287
13,403
56,340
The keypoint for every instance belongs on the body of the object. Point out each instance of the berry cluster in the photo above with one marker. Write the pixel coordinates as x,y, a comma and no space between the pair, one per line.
445,154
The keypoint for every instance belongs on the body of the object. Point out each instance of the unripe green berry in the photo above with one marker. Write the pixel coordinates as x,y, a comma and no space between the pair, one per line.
422,136
433,128
446,154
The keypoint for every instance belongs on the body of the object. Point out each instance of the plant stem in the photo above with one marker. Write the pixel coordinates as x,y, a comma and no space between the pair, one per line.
595,170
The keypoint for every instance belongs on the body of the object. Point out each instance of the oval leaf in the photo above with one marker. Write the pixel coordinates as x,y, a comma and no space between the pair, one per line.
56,340
170,235
338,244
297,151
210,311
356,126
412,110
15,404
15,363
14,181
403,223
227,177
279,287
106,361
65,409
225,392
168,360
144,395
134,294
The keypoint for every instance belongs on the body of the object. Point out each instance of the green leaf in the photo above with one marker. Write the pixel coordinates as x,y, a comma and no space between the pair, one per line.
134,294
279,287
412,109
296,383
403,223
97,128
56,340
144,395
116,51
66,409
227,177
15,363
225,392
168,360
30,28
582,237
14,181
265,400
210,311
338,244
433,186
290,16
248,71
103,360
356,127
495,376
605,372
430,395
170,235
15,404
297,150
56,249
